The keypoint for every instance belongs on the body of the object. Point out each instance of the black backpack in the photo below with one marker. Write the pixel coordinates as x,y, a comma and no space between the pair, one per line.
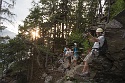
104,48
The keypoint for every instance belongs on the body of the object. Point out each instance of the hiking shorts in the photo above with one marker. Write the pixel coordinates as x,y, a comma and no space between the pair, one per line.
75,57
92,54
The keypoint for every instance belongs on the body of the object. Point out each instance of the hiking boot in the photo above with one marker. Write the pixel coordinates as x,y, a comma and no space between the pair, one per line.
68,68
67,78
65,69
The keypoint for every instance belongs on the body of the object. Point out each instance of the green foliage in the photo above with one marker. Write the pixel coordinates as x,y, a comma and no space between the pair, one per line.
13,51
76,36
17,44
117,7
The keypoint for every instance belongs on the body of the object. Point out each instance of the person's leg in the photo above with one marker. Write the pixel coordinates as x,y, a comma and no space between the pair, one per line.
87,60
85,71
85,68
74,61
69,61
75,58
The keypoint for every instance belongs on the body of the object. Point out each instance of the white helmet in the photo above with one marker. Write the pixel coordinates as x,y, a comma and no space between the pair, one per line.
75,44
99,30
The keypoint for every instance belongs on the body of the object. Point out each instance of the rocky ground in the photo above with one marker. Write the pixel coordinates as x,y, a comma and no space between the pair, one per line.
98,73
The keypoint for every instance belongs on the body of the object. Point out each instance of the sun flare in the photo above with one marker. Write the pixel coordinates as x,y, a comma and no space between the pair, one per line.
35,34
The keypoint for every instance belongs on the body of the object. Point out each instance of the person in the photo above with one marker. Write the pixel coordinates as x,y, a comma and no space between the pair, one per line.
98,42
75,57
68,55
65,49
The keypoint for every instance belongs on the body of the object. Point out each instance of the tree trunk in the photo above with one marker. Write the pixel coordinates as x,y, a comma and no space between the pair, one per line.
1,5
31,72
100,10
108,17
0,9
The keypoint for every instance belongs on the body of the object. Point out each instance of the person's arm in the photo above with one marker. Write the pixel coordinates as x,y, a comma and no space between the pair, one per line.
92,39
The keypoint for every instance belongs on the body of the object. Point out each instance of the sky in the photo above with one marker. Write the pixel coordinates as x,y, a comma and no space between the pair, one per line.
21,10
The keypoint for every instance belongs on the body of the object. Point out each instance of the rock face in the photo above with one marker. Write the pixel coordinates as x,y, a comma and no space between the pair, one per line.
116,42
115,34
110,69
114,24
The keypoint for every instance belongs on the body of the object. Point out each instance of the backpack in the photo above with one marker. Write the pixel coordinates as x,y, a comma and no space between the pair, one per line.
104,48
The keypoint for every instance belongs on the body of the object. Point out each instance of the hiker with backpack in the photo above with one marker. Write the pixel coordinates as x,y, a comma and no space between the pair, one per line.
96,50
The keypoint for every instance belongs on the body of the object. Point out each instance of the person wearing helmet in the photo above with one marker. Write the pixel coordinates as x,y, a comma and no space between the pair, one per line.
75,57
98,42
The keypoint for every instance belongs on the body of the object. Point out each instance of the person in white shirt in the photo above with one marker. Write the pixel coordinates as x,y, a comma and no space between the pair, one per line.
68,55
98,42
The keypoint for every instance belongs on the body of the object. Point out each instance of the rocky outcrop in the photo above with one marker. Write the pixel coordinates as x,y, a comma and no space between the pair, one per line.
110,69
